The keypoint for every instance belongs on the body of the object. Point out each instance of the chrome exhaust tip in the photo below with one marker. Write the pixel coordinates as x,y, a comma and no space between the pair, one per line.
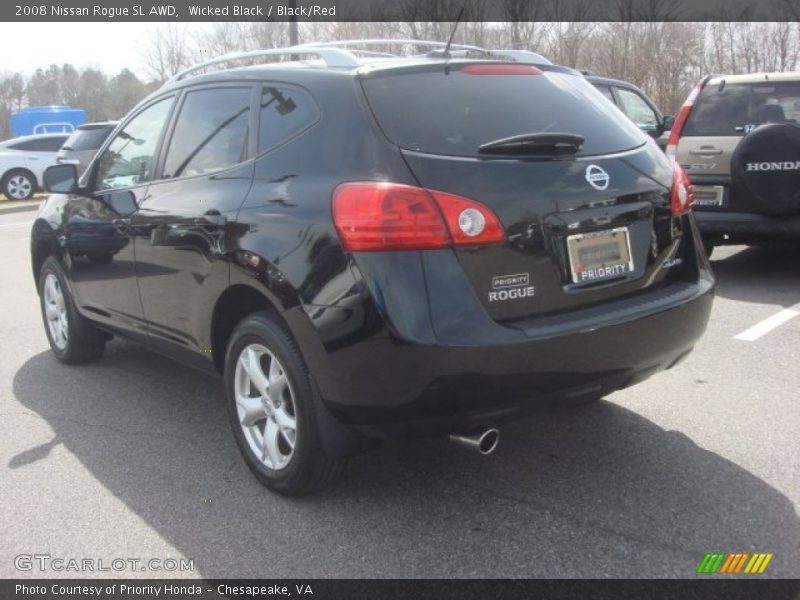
482,439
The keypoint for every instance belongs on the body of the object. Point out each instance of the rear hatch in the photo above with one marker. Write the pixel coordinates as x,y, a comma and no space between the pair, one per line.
721,115
584,223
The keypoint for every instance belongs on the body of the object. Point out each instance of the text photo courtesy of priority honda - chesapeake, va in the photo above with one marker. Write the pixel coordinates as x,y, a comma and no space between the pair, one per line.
347,299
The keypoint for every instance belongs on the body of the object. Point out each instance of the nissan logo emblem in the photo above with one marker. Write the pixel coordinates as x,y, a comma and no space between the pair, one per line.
597,177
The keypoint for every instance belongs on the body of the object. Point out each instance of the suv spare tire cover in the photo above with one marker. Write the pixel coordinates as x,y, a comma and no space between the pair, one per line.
766,167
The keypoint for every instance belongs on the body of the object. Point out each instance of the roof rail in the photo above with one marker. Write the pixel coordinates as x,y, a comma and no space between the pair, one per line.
332,57
394,41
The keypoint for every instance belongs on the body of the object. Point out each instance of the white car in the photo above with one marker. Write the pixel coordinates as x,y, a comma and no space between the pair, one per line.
23,161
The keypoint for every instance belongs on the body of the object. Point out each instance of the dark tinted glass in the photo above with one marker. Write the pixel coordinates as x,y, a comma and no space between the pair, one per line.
49,144
736,108
284,112
430,111
87,139
211,132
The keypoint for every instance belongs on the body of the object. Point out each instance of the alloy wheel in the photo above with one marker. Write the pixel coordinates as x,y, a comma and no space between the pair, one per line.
56,311
19,187
265,406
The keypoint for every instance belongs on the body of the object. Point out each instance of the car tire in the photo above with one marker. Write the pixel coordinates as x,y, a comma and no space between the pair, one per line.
272,408
771,192
73,338
19,185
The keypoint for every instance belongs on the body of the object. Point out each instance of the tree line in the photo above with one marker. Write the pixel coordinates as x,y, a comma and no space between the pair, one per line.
103,97
665,59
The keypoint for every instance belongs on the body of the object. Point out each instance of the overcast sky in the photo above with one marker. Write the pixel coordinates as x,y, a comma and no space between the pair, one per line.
109,47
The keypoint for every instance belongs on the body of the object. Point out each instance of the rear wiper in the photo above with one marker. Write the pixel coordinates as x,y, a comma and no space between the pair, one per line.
535,143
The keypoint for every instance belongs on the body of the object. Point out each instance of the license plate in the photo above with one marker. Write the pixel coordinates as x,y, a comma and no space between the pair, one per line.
600,255
708,195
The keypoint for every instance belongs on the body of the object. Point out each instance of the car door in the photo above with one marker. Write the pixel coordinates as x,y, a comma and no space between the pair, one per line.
36,154
44,152
97,221
183,225
48,147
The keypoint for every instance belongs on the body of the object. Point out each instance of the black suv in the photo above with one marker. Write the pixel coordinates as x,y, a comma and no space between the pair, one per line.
377,247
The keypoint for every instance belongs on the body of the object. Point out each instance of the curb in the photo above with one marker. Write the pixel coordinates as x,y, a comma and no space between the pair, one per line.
18,209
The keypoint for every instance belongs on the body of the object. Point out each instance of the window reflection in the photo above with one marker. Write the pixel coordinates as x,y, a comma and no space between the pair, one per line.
129,159
211,132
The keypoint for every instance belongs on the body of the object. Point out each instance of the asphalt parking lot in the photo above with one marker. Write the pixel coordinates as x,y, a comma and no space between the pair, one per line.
132,458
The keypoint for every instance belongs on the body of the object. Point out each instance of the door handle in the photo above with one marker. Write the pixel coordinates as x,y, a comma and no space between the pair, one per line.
706,152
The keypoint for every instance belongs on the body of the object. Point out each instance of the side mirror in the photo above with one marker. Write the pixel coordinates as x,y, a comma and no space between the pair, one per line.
668,123
61,179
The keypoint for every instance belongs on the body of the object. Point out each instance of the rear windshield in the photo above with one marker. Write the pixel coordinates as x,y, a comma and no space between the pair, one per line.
453,114
87,139
736,108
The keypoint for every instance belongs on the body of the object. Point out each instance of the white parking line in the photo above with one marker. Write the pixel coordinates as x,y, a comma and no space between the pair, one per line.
16,223
768,324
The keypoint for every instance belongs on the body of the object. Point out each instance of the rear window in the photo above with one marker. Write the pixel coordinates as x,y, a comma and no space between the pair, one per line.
736,108
453,114
87,139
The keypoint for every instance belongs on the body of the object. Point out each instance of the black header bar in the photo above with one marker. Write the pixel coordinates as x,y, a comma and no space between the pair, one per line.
410,589
399,10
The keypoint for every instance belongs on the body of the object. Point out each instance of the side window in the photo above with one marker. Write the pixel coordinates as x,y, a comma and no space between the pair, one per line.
638,109
130,158
210,133
606,91
48,144
26,146
284,112
51,144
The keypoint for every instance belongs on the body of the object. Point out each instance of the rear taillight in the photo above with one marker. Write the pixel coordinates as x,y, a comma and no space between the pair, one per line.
393,216
680,121
681,196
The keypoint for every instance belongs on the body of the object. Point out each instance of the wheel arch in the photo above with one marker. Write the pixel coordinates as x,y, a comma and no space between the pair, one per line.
234,304
241,300
43,244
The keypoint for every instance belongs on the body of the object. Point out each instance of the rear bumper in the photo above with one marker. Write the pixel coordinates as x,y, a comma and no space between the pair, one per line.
383,385
741,226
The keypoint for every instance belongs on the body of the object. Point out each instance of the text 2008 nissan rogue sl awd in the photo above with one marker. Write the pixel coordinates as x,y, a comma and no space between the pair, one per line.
372,247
